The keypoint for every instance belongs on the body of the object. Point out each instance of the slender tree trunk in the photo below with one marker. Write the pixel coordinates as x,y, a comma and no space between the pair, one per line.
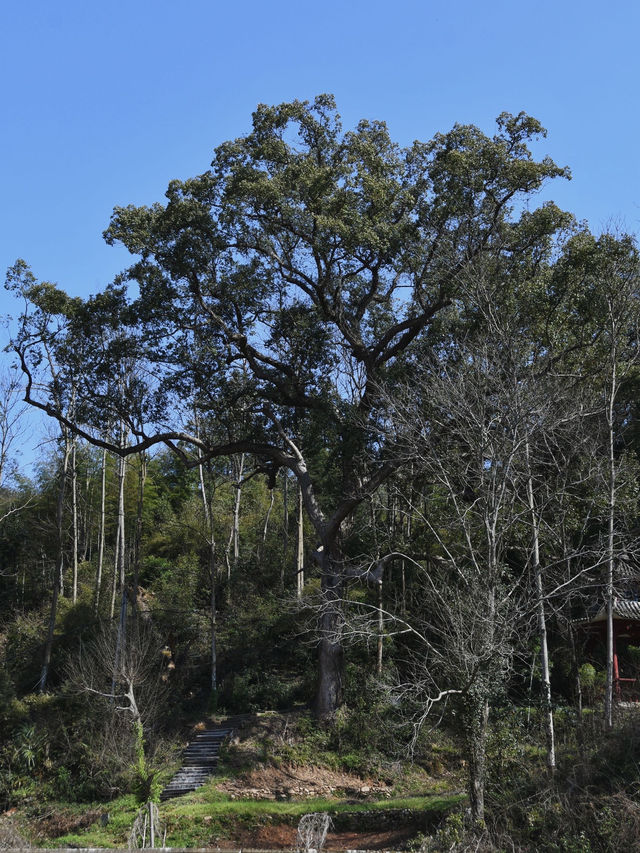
137,548
542,622
208,515
407,534
119,557
300,546
285,526
236,515
207,506
265,529
608,701
103,482
44,675
74,509
121,640
121,527
212,611
233,545
114,583
87,518
380,630
578,692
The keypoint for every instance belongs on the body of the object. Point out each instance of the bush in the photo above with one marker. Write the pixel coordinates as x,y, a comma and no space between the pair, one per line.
10,838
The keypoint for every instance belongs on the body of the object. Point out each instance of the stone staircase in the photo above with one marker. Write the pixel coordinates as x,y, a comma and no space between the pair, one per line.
200,758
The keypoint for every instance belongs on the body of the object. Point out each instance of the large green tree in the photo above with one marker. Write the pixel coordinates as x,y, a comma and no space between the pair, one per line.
278,291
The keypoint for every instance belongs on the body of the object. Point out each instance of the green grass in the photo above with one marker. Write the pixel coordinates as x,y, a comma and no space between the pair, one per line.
186,824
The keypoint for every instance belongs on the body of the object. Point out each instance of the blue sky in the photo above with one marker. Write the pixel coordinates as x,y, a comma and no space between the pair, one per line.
104,103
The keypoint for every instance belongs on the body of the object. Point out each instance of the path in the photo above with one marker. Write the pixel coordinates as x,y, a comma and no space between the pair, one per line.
200,758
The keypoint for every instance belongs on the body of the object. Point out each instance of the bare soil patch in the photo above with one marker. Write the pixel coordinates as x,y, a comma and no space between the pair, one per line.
295,783
58,823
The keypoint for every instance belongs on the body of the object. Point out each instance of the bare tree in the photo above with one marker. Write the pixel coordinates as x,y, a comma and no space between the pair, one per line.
12,410
133,684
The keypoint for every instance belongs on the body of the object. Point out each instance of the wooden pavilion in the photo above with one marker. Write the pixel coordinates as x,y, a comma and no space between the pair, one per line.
626,632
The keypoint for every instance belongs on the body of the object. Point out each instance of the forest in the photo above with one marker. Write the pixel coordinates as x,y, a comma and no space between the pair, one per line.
354,439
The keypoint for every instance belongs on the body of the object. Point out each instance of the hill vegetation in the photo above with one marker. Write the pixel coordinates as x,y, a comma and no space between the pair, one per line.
353,440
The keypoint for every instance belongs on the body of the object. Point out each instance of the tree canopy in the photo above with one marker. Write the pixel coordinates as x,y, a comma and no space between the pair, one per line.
272,297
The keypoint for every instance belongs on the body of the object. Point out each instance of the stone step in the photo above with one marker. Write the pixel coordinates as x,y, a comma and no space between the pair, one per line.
196,753
195,761
200,759
214,732
203,747
187,768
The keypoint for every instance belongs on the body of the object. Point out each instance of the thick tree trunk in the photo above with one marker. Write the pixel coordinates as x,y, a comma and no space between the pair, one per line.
330,655
476,718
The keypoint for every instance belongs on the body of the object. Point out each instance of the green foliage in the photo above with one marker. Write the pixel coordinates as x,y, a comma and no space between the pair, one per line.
146,787
587,674
258,690
265,666
23,650
7,694
633,653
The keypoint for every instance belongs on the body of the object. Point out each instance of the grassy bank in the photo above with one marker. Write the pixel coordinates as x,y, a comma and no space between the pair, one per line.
209,818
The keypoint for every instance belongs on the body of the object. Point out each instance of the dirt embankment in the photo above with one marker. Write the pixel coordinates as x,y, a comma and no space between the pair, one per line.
296,783
281,837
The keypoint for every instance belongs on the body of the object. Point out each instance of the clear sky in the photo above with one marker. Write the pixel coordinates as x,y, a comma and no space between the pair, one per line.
104,103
